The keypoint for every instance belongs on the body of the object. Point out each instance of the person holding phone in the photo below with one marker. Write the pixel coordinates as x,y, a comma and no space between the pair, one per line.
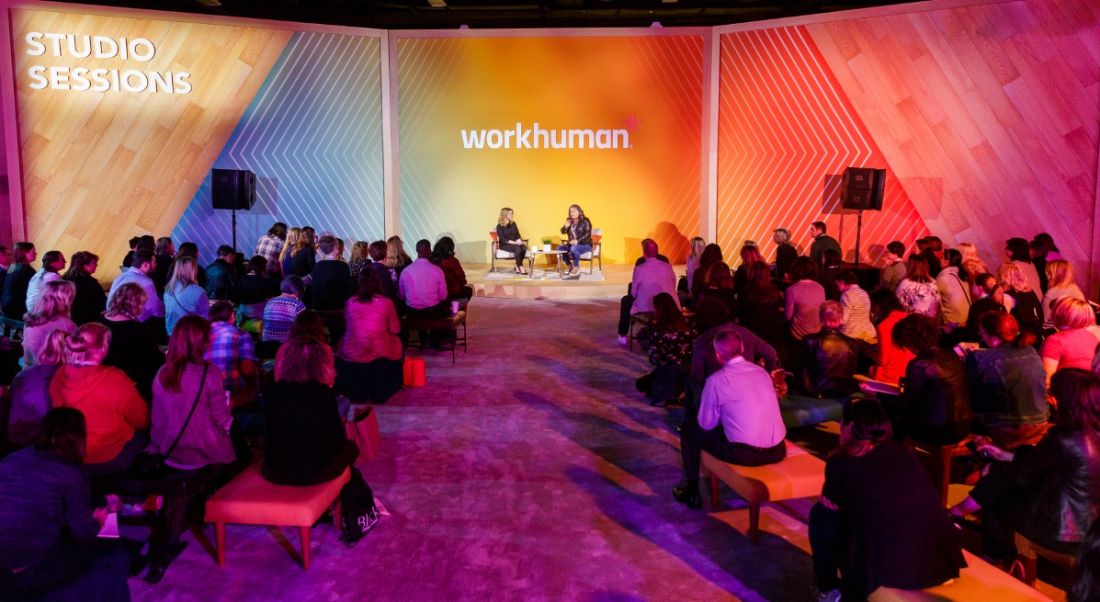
579,230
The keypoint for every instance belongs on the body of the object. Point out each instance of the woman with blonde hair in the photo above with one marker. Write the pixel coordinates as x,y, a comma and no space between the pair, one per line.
133,348
117,415
396,257
304,254
1074,345
1026,307
972,265
30,391
750,254
293,235
50,312
509,238
694,255
1061,283
360,258
183,296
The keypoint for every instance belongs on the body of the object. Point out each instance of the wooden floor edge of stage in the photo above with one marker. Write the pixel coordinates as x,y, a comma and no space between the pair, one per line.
612,286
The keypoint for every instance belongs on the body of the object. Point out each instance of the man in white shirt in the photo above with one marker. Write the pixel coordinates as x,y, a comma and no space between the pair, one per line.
740,398
422,286
651,278
52,263
139,273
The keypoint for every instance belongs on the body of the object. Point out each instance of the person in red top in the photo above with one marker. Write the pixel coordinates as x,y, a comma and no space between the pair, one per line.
368,364
1074,345
117,416
892,359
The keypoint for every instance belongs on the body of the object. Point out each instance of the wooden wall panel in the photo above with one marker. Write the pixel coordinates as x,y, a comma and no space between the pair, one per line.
987,114
100,167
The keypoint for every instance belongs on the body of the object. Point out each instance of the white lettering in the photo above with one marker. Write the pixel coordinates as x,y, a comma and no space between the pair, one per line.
145,55
80,82
183,86
38,81
59,78
494,138
535,137
101,83
55,39
80,53
101,48
36,48
473,138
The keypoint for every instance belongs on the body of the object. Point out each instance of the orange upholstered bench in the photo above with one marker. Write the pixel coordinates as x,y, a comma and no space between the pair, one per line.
250,500
978,581
799,475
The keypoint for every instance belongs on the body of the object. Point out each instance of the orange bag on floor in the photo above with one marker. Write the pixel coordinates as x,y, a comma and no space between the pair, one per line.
415,373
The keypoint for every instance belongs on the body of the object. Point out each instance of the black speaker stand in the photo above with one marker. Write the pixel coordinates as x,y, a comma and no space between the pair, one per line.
235,235
859,231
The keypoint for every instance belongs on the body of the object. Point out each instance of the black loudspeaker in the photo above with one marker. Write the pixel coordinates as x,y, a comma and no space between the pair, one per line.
233,189
863,188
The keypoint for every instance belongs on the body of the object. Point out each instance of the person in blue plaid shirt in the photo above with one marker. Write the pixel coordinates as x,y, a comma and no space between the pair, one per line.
271,244
231,350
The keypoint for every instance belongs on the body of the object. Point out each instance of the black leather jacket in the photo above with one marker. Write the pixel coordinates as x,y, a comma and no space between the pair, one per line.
936,390
580,231
1044,493
829,361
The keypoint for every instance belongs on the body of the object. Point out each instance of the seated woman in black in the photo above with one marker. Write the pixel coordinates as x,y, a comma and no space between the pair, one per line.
669,352
1046,492
48,544
934,405
509,239
879,521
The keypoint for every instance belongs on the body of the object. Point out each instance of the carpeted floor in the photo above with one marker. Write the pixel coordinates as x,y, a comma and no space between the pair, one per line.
529,470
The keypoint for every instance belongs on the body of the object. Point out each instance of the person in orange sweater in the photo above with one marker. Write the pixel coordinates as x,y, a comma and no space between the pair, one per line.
117,416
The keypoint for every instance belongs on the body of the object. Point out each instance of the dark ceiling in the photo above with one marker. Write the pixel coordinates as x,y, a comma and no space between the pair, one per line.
419,14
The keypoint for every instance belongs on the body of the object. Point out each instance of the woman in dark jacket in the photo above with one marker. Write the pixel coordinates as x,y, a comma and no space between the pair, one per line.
669,352
879,520
934,406
579,230
303,256
760,306
1046,492
90,300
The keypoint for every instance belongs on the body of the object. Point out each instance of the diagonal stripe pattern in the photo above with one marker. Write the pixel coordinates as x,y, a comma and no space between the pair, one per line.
313,136
786,134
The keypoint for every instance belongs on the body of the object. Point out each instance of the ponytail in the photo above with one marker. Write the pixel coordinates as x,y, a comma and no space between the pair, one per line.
88,340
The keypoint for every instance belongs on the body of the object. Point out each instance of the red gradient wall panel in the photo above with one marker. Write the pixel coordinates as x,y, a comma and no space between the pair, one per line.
786,134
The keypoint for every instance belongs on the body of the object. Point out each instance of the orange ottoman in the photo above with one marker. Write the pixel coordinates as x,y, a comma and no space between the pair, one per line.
978,581
250,500
799,475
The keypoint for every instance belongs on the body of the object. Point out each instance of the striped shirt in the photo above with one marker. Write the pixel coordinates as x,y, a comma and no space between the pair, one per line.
279,314
856,304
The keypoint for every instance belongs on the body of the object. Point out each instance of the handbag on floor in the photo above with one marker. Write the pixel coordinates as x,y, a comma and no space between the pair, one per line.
153,467
360,512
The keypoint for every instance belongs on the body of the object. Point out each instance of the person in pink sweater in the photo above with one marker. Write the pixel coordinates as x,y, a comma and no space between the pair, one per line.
368,366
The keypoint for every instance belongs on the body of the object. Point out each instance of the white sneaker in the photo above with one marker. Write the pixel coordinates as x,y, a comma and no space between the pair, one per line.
829,596
623,341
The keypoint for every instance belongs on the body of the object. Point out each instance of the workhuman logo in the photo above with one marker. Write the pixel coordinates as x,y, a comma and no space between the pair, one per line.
523,137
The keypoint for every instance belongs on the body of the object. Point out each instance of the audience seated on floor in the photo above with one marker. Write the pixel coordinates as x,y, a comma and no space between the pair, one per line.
48,527
760,306
670,349
50,312
14,298
369,360
894,267
879,521
231,350
360,258
257,286
1077,336
133,347
934,405
695,252
165,255
917,292
785,253
1018,252
280,312
712,254
182,295
1046,492
270,245
1026,307
738,419
830,359
1061,283
988,296
303,256
822,242
138,274
89,301
891,359
719,285
30,391
52,264
750,254
954,290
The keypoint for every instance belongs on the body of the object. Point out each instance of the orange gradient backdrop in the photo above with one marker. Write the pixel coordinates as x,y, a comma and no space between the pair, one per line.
652,84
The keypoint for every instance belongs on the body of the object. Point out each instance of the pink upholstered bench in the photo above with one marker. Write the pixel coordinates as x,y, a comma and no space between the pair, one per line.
799,475
250,500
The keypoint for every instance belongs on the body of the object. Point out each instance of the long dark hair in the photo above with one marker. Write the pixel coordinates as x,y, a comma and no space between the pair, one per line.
64,433
368,286
78,262
668,317
187,346
868,425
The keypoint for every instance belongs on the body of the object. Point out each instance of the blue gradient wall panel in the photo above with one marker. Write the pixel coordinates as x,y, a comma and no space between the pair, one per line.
313,136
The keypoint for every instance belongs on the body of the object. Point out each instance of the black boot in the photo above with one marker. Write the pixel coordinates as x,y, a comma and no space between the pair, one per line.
688,495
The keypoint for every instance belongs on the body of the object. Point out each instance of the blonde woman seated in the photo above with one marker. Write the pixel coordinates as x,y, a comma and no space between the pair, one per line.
1074,345
50,313
509,239
1061,283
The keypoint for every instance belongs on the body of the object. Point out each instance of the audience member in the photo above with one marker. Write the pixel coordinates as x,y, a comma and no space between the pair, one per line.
669,352
509,239
369,360
52,264
279,313
221,276
165,254
230,349
1061,283
760,306
895,268
48,544
387,279
183,296
13,302
934,406
138,273
50,313
740,398
650,277
443,255
1045,493
704,359
331,284
89,300
117,415
856,303
1018,251
360,258
955,299
270,245
917,292
719,285
785,253
803,299
829,358
309,324
189,249
822,242
988,297
712,254
303,256
879,522
1074,344
695,253
1086,581
1026,307
423,286
933,252
396,257
892,358
133,349
30,392
5,265
293,236
256,287
972,265
750,254
827,273
1006,384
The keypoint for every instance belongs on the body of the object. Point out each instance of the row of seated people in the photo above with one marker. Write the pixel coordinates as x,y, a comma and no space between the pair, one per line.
998,388
84,432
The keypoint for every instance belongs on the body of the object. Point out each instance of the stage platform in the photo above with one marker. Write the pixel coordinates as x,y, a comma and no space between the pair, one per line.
611,283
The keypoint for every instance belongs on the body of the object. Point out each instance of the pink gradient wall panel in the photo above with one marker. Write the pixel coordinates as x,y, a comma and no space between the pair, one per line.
786,134
987,115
